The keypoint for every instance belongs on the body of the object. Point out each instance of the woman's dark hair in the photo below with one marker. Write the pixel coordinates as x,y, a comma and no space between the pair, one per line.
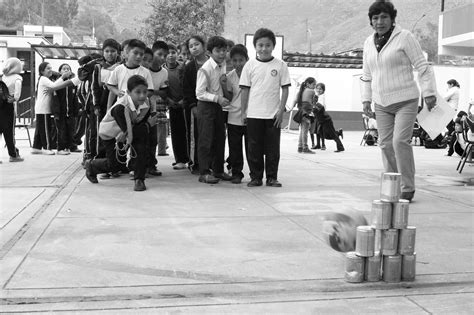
134,81
453,83
380,6
239,49
262,33
216,42
322,86
42,67
198,38
304,85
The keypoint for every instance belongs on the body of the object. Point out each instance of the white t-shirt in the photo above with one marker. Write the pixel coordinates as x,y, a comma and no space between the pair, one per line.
44,96
265,79
160,78
122,73
235,109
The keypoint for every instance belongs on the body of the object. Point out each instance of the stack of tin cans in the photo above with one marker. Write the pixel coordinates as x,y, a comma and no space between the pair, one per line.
385,249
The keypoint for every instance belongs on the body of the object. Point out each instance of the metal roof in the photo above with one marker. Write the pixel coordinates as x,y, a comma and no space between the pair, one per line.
64,52
308,60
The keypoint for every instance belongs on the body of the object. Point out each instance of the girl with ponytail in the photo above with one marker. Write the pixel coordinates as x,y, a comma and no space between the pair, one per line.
304,100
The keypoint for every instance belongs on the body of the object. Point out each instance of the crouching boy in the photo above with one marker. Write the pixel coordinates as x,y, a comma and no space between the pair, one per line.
129,120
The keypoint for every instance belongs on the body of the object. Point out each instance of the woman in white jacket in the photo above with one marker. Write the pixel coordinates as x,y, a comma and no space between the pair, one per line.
390,55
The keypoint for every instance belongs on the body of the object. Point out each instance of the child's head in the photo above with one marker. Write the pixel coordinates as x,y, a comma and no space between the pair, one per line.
110,50
135,51
147,58
320,88
172,54
124,47
64,68
264,41
12,66
137,88
183,52
160,51
196,45
45,69
217,47
239,56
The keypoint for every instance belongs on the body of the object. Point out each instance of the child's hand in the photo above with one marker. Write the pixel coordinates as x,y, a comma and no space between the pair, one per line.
121,93
223,101
122,136
10,99
278,119
223,80
153,120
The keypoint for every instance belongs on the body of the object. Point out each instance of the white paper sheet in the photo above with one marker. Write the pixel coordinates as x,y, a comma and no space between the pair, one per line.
434,122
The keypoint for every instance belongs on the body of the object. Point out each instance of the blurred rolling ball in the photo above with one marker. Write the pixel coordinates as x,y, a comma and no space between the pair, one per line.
340,229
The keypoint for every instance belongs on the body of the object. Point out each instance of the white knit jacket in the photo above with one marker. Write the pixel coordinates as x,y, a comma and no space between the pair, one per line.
388,75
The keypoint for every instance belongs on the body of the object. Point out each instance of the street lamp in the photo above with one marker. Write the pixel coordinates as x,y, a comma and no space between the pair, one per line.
413,28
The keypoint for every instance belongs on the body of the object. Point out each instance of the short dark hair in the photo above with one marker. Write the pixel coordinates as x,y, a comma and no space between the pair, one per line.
148,51
159,44
262,33
136,43
230,43
124,44
172,47
112,43
380,6
322,86
136,80
239,49
216,42
453,82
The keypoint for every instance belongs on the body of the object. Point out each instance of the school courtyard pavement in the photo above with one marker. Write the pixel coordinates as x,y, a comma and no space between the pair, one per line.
183,247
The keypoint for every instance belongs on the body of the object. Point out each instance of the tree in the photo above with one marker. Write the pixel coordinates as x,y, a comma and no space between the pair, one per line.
428,40
176,20
88,17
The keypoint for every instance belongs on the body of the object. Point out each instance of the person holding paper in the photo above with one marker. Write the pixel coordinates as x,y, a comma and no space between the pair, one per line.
390,55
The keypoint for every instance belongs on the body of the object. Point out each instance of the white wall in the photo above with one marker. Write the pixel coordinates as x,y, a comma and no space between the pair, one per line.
341,94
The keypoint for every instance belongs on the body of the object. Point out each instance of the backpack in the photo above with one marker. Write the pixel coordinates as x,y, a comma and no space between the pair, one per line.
3,94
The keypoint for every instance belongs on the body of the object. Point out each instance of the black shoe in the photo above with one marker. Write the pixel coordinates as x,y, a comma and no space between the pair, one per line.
139,185
223,176
208,179
340,150
236,180
300,150
307,150
273,183
341,133
407,195
255,183
154,172
316,147
89,172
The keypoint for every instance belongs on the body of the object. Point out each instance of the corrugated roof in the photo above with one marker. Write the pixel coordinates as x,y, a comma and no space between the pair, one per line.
64,52
308,60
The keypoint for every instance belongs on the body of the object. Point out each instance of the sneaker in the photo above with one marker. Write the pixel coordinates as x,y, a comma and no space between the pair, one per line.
89,172
255,183
179,166
63,152
307,150
16,159
36,151
236,180
300,150
223,176
316,147
407,195
154,172
48,152
340,150
139,185
115,174
105,176
323,147
208,179
272,182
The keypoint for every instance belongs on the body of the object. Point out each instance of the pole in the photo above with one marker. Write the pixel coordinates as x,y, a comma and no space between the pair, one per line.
42,18
413,28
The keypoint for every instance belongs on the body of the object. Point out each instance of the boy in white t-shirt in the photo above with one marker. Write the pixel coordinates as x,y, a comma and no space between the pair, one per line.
236,129
261,81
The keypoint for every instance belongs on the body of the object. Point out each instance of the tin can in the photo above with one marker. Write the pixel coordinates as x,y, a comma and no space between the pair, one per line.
406,241
365,241
378,241
392,268
390,187
389,242
400,214
373,266
355,267
409,267
381,215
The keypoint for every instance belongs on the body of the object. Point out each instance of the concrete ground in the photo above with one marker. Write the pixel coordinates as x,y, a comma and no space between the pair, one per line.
69,246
